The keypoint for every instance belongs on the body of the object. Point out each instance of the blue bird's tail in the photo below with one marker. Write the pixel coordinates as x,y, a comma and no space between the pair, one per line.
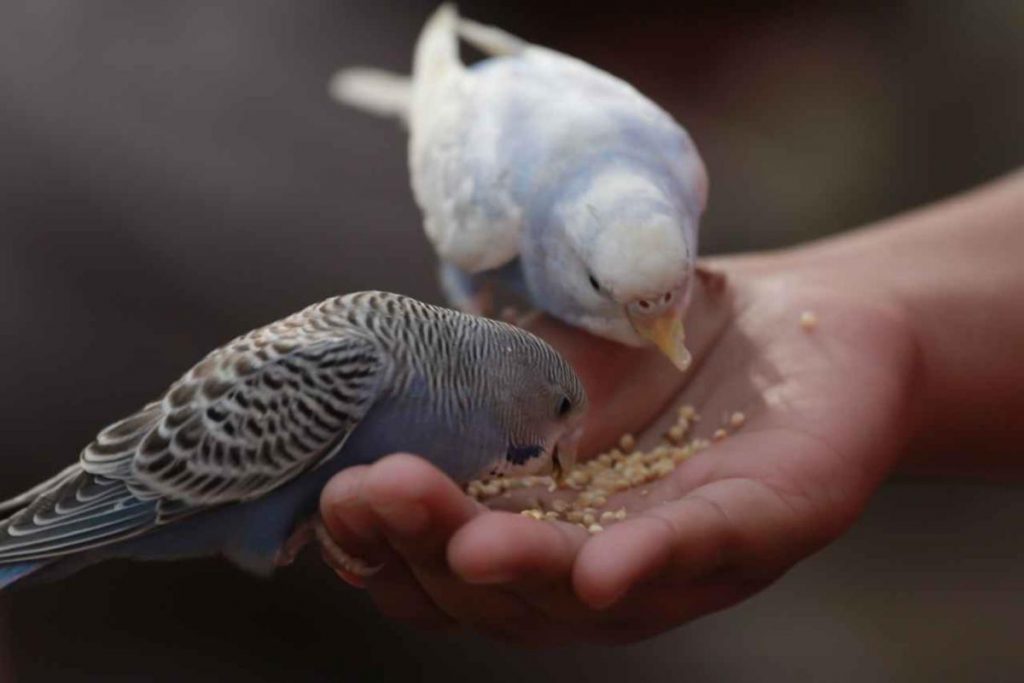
10,573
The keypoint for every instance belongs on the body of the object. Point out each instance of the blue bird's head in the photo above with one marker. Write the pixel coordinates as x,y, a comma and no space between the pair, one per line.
536,401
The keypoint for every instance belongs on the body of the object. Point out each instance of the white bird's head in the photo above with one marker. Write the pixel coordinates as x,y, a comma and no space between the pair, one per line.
630,259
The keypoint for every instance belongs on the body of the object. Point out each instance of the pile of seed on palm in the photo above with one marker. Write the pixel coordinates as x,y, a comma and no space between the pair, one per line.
590,484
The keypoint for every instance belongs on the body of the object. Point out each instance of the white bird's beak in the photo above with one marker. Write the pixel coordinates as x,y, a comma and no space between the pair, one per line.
564,456
665,329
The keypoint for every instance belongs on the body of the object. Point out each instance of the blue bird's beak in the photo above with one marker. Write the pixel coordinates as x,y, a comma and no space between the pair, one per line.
564,455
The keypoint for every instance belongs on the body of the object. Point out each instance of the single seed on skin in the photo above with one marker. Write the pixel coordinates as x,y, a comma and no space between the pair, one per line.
808,320
627,442
737,419
719,434
595,528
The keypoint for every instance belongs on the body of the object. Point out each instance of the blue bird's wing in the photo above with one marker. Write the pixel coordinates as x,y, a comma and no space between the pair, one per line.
248,418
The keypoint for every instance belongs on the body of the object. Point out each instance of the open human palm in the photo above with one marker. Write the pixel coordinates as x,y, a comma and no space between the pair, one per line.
826,412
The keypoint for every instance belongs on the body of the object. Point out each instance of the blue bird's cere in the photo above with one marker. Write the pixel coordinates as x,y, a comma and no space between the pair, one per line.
539,172
232,458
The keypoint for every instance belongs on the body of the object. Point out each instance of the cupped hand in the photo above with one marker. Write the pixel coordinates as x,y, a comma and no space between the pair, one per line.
827,413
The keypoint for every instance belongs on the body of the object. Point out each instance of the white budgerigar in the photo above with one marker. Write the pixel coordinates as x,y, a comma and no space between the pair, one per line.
232,459
537,171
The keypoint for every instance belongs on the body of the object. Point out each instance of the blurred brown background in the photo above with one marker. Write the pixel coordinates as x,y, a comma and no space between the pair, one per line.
172,174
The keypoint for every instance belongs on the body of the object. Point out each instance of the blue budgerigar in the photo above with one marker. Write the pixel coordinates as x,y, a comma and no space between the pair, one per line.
540,172
232,459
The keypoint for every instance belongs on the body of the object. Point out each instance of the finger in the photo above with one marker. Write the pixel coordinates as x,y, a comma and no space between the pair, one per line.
510,549
526,558
741,524
350,521
420,511
419,508
355,528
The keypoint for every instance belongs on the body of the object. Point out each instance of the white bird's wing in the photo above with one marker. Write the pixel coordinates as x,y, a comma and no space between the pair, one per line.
469,214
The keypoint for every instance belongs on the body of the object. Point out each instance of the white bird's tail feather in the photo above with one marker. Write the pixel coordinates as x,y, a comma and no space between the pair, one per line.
436,58
437,50
389,94
373,90
490,40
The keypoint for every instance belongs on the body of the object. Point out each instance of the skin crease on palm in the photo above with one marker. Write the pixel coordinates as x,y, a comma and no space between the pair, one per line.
826,419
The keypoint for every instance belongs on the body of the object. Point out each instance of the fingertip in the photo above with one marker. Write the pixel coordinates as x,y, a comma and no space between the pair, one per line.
400,489
612,562
419,506
402,475
478,552
341,493
351,526
473,552
504,547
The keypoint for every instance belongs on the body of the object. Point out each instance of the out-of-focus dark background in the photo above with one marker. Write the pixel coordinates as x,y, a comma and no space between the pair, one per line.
172,174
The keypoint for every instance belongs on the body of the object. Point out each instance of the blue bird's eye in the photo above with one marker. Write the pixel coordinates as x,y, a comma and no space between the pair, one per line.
564,406
517,455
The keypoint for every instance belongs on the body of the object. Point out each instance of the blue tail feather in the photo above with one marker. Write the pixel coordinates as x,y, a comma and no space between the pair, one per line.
10,573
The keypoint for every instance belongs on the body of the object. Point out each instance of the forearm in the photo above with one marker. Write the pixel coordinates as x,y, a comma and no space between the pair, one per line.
955,270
